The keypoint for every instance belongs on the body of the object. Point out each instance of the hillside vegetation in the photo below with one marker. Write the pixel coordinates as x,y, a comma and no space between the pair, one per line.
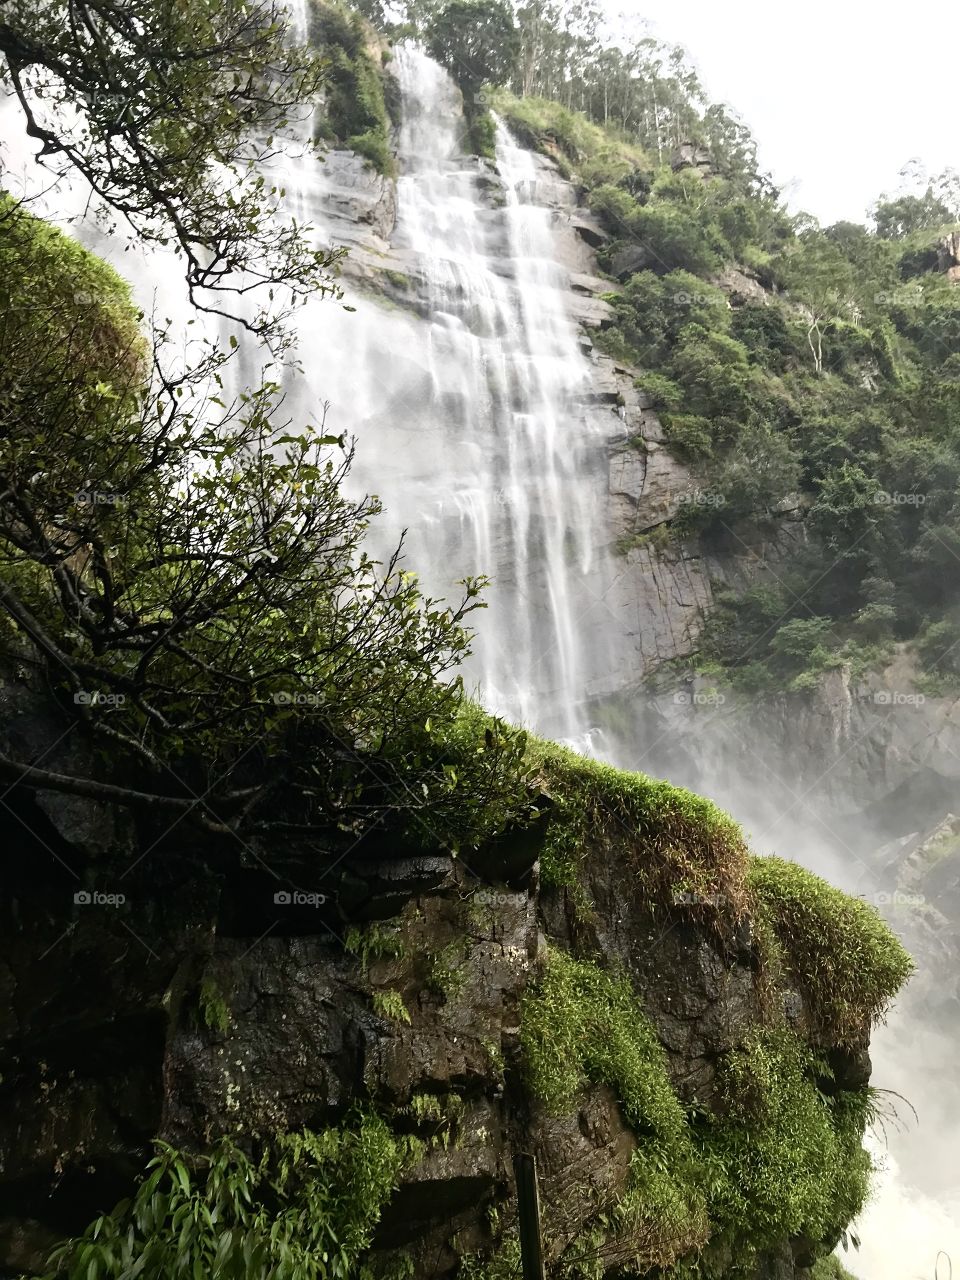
796,368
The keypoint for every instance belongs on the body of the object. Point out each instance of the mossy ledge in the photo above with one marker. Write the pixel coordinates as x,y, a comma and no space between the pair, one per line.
285,1144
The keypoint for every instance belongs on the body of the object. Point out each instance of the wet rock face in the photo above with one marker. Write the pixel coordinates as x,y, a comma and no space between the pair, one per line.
361,204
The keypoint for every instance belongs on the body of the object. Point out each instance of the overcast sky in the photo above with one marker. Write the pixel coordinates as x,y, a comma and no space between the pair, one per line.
839,96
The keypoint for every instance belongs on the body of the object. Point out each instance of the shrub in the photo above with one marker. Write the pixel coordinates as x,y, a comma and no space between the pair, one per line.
355,112
304,1209
787,1159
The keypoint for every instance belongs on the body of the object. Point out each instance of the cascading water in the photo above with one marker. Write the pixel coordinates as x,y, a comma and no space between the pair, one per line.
473,421
481,405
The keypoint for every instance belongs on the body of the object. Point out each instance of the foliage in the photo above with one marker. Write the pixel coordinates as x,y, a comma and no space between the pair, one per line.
389,1004
567,136
581,1023
778,1155
213,1007
446,972
830,1267
836,950
192,577
826,390
374,942
476,40
504,1264
303,1209
896,219
783,1155
354,110
135,99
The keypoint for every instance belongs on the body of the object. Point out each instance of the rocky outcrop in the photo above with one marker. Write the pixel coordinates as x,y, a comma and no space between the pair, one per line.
691,156
360,202
948,255
157,983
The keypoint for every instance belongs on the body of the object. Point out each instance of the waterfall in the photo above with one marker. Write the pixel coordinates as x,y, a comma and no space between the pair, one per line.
472,414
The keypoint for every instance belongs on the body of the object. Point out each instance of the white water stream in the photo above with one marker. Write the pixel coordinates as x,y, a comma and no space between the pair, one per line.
472,418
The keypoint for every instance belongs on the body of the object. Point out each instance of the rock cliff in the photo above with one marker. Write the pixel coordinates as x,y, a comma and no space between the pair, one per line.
157,983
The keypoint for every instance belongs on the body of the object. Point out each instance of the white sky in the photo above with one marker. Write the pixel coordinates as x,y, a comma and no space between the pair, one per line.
839,96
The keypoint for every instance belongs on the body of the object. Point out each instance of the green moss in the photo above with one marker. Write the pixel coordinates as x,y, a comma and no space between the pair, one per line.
301,1207
835,949
685,851
778,1155
447,969
213,1007
397,279
784,1158
580,1025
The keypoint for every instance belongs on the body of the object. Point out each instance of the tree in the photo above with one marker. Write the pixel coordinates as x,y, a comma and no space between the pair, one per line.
476,40
169,113
899,218
190,579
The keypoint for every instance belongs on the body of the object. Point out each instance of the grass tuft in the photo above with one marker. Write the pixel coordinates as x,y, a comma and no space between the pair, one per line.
685,851
836,950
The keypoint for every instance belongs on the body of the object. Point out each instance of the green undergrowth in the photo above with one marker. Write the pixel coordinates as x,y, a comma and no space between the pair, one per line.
776,1156
688,856
806,375
354,112
582,1024
830,1267
682,847
782,1157
836,950
302,1207
576,143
